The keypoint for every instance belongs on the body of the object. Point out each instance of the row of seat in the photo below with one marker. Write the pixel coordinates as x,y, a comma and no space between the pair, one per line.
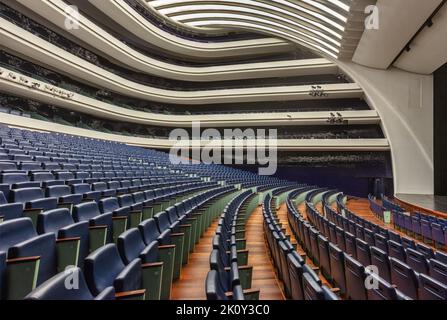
383,242
229,277
429,228
350,258
102,265
300,281
336,266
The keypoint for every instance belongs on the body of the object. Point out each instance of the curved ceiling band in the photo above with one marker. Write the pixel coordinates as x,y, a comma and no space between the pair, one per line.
329,27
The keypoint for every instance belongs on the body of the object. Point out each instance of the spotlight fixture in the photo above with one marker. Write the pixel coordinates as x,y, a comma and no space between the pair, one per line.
317,91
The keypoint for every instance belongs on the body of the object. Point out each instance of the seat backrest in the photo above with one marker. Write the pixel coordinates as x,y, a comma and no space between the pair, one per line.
108,204
417,261
296,274
425,250
363,252
213,288
355,279
311,289
408,243
396,250
55,288
441,257
431,289
101,268
381,242
162,221
15,231
11,178
438,270
125,200
340,238
323,249
53,220
383,290
149,231
337,266
57,191
3,199
42,176
350,244
138,197
380,259
80,188
130,244
85,211
404,278
99,186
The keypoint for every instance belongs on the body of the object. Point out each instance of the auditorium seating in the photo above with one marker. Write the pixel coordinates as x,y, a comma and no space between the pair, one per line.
400,261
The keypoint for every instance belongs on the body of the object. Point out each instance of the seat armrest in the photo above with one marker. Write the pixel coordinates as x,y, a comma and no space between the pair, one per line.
131,295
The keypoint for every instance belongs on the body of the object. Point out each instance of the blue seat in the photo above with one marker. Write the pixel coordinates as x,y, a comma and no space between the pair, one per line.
417,261
332,232
85,190
295,262
103,188
383,291
340,238
405,278
396,250
111,205
313,291
55,288
61,223
350,244
214,291
17,180
359,232
337,267
33,198
131,246
441,257
163,222
431,289
45,179
363,253
381,242
323,249
438,234
20,240
9,211
103,268
369,237
149,231
63,194
313,237
408,243
355,279
425,250
438,270
416,225
426,230
380,259
89,211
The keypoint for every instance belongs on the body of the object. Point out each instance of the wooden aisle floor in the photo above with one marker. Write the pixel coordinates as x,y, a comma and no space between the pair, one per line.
264,277
191,285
